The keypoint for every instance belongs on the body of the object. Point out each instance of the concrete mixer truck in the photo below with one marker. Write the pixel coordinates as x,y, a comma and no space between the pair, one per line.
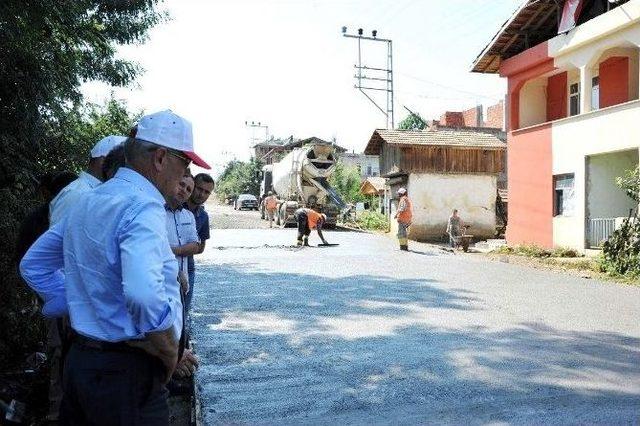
300,179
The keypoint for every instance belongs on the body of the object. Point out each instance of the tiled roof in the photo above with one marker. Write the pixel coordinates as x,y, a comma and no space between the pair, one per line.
377,182
449,138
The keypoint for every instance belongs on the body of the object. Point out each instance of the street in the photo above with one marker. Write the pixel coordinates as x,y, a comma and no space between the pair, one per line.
362,333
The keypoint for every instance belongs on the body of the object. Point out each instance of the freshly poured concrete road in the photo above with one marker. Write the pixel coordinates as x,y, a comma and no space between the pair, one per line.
365,334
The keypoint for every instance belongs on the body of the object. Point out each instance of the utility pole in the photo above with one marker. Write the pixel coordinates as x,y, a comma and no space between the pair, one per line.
376,79
253,125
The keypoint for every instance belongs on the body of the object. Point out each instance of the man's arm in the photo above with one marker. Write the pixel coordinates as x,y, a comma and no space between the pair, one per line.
143,253
321,236
186,249
202,245
42,267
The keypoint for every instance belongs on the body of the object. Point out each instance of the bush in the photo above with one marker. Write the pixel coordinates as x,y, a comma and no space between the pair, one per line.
621,253
373,221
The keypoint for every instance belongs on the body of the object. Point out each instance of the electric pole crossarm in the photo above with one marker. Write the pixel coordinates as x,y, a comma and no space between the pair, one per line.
371,88
366,38
364,77
364,67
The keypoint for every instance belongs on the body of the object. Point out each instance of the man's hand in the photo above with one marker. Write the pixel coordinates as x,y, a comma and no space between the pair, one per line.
187,365
162,345
184,282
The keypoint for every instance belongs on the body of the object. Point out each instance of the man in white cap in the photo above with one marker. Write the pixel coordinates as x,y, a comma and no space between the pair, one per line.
404,216
86,181
120,278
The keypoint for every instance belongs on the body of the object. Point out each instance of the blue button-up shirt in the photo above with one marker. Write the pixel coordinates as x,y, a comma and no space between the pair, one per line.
69,195
202,226
121,276
181,230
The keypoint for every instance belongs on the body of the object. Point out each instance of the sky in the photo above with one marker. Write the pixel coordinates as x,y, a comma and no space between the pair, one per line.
285,64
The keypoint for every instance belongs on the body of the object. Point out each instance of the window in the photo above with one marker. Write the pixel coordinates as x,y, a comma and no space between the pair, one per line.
369,170
564,194
595,93
574,99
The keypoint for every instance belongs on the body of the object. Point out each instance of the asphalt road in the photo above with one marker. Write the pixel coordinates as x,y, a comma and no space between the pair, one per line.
364,334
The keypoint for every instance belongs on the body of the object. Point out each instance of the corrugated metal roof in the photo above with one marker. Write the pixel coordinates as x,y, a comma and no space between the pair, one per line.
450,138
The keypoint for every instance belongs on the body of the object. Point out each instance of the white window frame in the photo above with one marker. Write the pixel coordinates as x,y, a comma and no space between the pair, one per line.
575,95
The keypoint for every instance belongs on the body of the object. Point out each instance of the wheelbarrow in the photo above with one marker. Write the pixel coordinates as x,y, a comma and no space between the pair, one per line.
463,240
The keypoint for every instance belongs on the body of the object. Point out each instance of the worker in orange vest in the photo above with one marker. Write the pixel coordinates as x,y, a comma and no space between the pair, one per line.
270,206
309,219
404,216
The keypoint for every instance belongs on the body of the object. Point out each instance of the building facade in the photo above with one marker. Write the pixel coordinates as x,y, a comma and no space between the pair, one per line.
572,117
368,165
442,170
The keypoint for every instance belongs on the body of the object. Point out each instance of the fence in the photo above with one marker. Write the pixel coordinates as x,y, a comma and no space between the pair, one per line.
599,230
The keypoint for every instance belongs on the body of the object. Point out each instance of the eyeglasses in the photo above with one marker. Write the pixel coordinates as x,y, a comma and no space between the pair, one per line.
177,154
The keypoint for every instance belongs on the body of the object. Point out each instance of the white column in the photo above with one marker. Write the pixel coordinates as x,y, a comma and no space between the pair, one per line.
585,89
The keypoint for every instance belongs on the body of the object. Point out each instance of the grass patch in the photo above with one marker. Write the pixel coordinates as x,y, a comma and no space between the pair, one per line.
531,250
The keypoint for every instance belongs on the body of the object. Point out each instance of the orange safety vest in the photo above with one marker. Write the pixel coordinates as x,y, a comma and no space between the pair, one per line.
312,218
271,203
406,215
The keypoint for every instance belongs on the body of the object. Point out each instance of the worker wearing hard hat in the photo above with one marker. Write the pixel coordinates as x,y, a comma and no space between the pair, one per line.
309,219
404,216
270,207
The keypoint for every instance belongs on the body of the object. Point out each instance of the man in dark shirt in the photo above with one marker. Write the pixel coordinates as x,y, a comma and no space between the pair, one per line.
202,189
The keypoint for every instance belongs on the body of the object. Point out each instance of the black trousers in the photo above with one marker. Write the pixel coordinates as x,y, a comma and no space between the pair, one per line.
303,223
113,388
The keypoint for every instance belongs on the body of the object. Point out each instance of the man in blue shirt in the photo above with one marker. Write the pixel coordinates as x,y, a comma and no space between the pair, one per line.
120,278
87,180
202,189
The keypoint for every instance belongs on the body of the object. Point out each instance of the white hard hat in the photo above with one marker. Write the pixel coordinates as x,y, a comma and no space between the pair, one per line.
168,129
105,145
402,191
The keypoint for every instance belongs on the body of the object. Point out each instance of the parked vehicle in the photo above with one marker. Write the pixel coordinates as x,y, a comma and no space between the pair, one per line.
300,179
246,201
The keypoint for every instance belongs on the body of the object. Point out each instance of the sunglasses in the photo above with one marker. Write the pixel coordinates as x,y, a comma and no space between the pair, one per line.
177,154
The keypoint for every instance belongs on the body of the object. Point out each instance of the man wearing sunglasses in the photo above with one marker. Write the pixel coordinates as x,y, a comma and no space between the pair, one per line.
120,279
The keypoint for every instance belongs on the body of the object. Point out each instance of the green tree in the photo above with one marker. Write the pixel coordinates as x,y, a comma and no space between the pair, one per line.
347,181
47,50
239,177
412,122
72,137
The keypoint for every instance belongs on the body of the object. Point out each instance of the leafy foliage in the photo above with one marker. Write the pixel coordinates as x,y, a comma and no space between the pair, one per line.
412,122
621,253
346,181
630,184
47,49
239,177
372,220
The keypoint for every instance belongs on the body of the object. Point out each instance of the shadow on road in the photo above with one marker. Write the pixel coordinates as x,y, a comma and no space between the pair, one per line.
280,347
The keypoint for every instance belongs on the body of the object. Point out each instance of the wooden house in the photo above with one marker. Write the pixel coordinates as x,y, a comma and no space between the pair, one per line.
442,169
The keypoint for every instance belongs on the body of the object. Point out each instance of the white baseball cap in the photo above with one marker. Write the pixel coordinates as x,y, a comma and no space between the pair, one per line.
105,145
402,191
168,129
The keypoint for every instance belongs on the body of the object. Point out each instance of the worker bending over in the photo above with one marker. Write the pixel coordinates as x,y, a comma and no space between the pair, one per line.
309,219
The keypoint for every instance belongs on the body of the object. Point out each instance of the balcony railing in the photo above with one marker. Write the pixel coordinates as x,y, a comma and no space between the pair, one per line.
599,230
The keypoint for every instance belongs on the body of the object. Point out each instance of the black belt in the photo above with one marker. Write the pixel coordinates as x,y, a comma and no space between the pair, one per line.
100,345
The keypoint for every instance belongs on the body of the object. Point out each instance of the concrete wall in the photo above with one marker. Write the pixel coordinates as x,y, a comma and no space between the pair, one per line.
434,196
533,103
604,198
